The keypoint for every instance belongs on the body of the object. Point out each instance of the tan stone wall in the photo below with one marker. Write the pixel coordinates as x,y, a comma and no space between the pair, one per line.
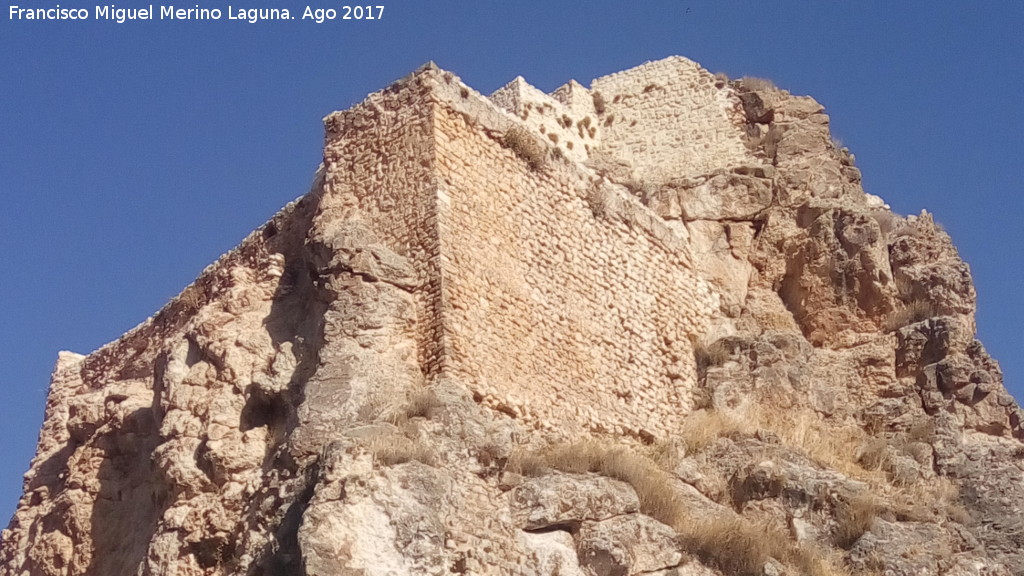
566,319
379,166
669,120
567,122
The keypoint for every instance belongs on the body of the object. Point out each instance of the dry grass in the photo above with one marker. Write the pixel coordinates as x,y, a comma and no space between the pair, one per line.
873,454
703,427
713,354
831,446
726,541
191,298
755,84
604,203
395,449
525,146
854,517
929,501
739,547
911,312
888,222
422,402
845,448
734,544
772,138
651,483
835,447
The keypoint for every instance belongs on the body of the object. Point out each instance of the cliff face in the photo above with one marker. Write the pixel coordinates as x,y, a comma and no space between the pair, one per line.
650,327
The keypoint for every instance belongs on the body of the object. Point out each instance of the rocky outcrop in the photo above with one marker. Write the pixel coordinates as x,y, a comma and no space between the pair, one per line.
813,402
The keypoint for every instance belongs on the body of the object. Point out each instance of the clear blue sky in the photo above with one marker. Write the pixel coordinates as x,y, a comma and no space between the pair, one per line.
132,155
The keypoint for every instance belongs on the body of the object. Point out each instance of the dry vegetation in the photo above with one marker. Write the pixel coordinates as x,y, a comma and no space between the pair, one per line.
726,541
888,222
393,449
754,84
714,354
525,146
419,402
405,444
191,298
911,312
603,202
737,545
703,427
853,518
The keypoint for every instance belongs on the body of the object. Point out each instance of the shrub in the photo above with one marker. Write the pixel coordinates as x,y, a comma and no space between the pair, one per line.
771,139
853,518
603,202
754,84
191,298
911,313
525,146
721,80
713,354
874,454
421,403
888,222
599,103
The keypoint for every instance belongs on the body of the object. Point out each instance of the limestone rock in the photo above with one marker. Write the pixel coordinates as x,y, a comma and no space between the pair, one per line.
630,544
559,500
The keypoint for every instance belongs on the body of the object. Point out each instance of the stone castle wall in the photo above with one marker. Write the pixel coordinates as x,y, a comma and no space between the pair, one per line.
669,119
566,302
528,278
379,167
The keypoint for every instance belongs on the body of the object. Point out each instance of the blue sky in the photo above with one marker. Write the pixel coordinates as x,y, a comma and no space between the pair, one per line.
133,155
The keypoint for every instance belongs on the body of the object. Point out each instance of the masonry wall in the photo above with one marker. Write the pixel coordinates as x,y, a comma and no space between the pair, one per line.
570,124
567,320
668,119
379,167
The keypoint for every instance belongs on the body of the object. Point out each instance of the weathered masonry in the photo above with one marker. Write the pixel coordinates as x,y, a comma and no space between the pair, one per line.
551,293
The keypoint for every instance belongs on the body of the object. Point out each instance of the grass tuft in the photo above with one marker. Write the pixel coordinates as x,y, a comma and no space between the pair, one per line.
911,313
853,518
525,146
390,450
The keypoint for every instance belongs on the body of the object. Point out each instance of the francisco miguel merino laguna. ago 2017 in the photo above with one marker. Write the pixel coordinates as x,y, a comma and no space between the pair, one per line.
121,15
